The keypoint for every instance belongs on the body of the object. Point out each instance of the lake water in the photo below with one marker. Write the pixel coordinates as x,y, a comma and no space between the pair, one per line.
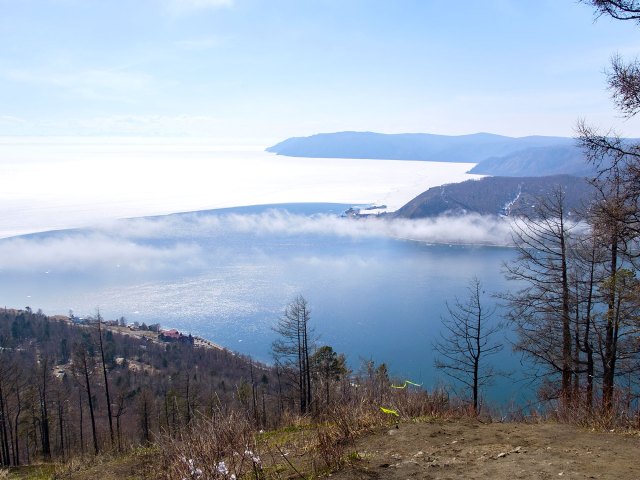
227,275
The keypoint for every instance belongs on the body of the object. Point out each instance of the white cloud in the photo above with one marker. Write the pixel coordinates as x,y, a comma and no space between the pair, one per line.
86,252
186,240
468,229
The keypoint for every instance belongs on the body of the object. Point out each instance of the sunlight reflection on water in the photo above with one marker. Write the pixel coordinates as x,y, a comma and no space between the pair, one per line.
372,297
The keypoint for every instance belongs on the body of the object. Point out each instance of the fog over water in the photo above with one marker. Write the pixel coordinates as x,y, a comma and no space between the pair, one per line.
377,287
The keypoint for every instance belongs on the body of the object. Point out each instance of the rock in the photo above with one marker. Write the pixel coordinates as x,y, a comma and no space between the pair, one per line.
502,455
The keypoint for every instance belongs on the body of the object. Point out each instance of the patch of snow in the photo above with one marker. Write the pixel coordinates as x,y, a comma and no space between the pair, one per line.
507,206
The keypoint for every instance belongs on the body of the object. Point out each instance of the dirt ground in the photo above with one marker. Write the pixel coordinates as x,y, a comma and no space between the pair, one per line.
469,449
437,449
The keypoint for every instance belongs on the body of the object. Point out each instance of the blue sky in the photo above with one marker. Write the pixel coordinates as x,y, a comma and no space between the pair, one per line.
270,69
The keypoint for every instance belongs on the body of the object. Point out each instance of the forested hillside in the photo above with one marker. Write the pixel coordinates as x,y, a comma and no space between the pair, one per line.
537,161
69,388
509,196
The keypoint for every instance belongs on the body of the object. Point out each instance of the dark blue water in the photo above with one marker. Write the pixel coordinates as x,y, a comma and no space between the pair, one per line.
372,297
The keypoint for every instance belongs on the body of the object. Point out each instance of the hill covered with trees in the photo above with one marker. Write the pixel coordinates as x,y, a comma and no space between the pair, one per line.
507,196
70,388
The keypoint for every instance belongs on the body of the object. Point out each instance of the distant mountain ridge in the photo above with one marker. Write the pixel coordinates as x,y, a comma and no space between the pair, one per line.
537,161
494,154
508,196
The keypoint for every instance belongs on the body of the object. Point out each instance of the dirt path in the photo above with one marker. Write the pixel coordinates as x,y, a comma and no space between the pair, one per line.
468,449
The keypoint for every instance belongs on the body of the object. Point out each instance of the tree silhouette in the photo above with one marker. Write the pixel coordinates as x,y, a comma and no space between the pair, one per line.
467,341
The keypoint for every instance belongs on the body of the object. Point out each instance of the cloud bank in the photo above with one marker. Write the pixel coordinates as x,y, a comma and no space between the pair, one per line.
180,242
468,229
87,252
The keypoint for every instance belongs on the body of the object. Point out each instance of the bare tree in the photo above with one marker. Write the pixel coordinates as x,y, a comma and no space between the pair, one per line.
292,348
106,378
617,330
44,407
585,276
145,402
121,409
616,212
467,341
618,9
84,364
541,308
5,457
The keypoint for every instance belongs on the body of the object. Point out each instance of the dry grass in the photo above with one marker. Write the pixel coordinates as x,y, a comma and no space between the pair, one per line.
228,445
620,416
220,447
31,472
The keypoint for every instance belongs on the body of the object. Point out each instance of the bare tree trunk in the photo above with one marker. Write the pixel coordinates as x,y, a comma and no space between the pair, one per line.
476,357
609,359
44,420
253,394
81,422
567,359
587,340
307,367
16,424
188,417
61,427
145,418
4,443
90,402
301,379
106,380
119,412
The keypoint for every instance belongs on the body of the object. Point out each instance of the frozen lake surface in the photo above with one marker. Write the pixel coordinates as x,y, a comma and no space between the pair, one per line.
56,182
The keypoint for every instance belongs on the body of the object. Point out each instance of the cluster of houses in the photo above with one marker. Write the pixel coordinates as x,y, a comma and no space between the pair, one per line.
171,335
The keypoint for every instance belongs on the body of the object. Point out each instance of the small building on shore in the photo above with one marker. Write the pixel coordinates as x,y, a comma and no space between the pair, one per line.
174,335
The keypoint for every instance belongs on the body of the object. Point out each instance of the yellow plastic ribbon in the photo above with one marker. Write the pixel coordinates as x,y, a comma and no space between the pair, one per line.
406,382
389,411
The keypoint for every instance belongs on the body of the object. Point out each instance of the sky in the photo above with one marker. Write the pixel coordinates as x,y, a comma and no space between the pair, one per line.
265,70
